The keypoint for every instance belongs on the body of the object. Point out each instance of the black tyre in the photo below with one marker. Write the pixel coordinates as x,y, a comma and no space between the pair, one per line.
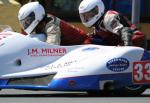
136,90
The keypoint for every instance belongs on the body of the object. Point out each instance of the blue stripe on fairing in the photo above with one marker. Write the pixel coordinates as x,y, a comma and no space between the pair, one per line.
3,81
146,56
90,82
81,83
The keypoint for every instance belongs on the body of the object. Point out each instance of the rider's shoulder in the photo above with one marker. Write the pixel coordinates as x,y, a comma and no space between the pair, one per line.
111,13
52,20
109,17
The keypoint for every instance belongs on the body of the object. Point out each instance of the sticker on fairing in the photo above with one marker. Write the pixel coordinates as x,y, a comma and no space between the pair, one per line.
141,72
118,64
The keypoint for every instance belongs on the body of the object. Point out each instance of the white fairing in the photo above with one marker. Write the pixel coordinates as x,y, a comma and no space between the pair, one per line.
40,37
21,56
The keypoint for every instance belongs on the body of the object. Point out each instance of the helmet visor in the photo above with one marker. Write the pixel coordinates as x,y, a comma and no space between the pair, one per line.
26,22
87,16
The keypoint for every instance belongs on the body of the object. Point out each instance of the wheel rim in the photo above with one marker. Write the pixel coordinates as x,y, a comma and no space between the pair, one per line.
134,87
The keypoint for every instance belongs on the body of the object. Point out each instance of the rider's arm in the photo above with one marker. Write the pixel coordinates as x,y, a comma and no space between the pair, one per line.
72,35
117,24
53,30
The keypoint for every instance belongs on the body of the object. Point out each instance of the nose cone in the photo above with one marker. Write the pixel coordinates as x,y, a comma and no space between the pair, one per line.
11,49
15,55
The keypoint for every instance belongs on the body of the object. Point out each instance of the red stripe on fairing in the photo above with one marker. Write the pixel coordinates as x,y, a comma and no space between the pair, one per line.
5,33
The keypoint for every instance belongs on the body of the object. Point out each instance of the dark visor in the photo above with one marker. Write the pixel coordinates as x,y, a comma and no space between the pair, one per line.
88,15
26,22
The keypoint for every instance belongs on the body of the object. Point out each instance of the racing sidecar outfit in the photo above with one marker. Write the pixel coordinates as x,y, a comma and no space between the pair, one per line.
115,29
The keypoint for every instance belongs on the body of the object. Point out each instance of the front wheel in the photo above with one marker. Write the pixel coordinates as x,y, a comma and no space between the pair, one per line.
135,90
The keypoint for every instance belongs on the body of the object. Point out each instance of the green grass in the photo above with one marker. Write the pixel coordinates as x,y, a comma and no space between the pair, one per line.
8,16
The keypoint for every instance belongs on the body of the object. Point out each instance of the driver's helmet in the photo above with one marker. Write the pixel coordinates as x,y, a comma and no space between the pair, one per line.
90,11
30,15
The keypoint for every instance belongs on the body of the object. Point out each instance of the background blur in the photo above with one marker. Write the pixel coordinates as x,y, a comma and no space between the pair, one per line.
68,10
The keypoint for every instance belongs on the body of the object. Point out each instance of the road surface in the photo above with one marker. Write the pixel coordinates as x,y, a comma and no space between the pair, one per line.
22,96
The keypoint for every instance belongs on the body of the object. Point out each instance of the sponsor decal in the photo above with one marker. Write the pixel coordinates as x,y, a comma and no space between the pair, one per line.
118,64
47,52
90,49
61,65
72,83
141,72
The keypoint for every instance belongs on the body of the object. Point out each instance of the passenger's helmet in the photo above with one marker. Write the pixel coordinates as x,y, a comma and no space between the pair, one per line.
90,11
30,15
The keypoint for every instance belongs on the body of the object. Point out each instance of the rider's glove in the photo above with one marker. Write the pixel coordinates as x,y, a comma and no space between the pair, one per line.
126,35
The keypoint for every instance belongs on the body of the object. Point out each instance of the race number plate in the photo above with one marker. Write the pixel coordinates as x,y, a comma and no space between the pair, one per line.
141,72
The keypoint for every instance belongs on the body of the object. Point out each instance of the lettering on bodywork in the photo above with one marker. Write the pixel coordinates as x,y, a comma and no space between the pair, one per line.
46,52
141,72
61,65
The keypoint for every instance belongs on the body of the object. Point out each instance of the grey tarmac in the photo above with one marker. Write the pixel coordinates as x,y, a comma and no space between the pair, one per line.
23,96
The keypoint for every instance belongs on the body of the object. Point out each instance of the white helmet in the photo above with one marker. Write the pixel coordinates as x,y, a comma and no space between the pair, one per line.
30,15
90,11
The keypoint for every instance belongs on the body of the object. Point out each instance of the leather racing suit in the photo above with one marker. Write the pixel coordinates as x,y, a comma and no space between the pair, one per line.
114,29
59,32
